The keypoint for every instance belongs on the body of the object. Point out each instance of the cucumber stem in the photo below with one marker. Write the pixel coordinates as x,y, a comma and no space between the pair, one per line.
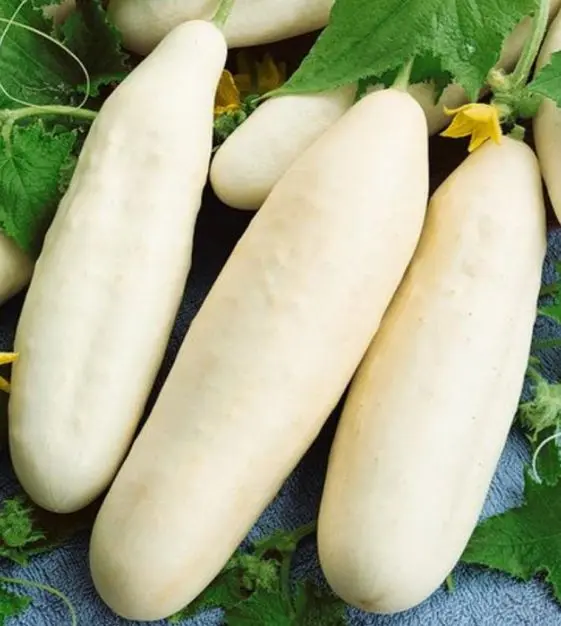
22,582
8,117
223,12
519,77
285,568
404,76
13,115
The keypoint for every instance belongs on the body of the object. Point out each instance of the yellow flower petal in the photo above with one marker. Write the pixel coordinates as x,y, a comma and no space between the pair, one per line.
8,357
496,130
481,121
478,138
451,112
461,126
4,385
227,93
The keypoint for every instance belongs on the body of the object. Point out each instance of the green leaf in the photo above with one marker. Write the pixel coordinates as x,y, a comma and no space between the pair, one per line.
32,68
12,605
548,80
248,574
30,170
37,71
525,541
244,575
366,39
262,607
17,532
318,607
425,69
310,606
97,43
224,592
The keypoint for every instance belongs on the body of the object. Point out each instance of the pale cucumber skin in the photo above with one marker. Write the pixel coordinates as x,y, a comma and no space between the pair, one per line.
143,23
266,359
16,268
109,280
547,125
431,405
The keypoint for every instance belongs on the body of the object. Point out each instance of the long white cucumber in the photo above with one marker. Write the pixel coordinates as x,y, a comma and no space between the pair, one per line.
266,359
109,280
547,125
143,23
430,408
16,268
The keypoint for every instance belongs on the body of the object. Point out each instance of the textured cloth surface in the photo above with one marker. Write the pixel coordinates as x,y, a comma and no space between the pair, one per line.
482,598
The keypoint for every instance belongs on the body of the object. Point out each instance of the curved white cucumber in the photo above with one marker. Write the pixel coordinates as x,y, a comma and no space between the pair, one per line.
143,23
430,408
110,277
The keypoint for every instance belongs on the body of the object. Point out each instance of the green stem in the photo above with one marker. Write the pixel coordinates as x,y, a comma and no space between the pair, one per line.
223,12
304,531
450,583
546,344
518,132
55,592
285,574
14,115
8,117
548,316
404,76
297,536
520,75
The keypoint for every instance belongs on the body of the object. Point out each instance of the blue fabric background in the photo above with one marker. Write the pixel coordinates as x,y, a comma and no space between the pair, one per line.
482,598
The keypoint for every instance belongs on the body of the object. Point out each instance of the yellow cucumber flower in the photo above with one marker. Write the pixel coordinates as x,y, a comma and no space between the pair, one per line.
6,357
252,78
227,95
481,121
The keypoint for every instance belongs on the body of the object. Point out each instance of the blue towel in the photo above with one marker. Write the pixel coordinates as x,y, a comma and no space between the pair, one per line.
482,598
